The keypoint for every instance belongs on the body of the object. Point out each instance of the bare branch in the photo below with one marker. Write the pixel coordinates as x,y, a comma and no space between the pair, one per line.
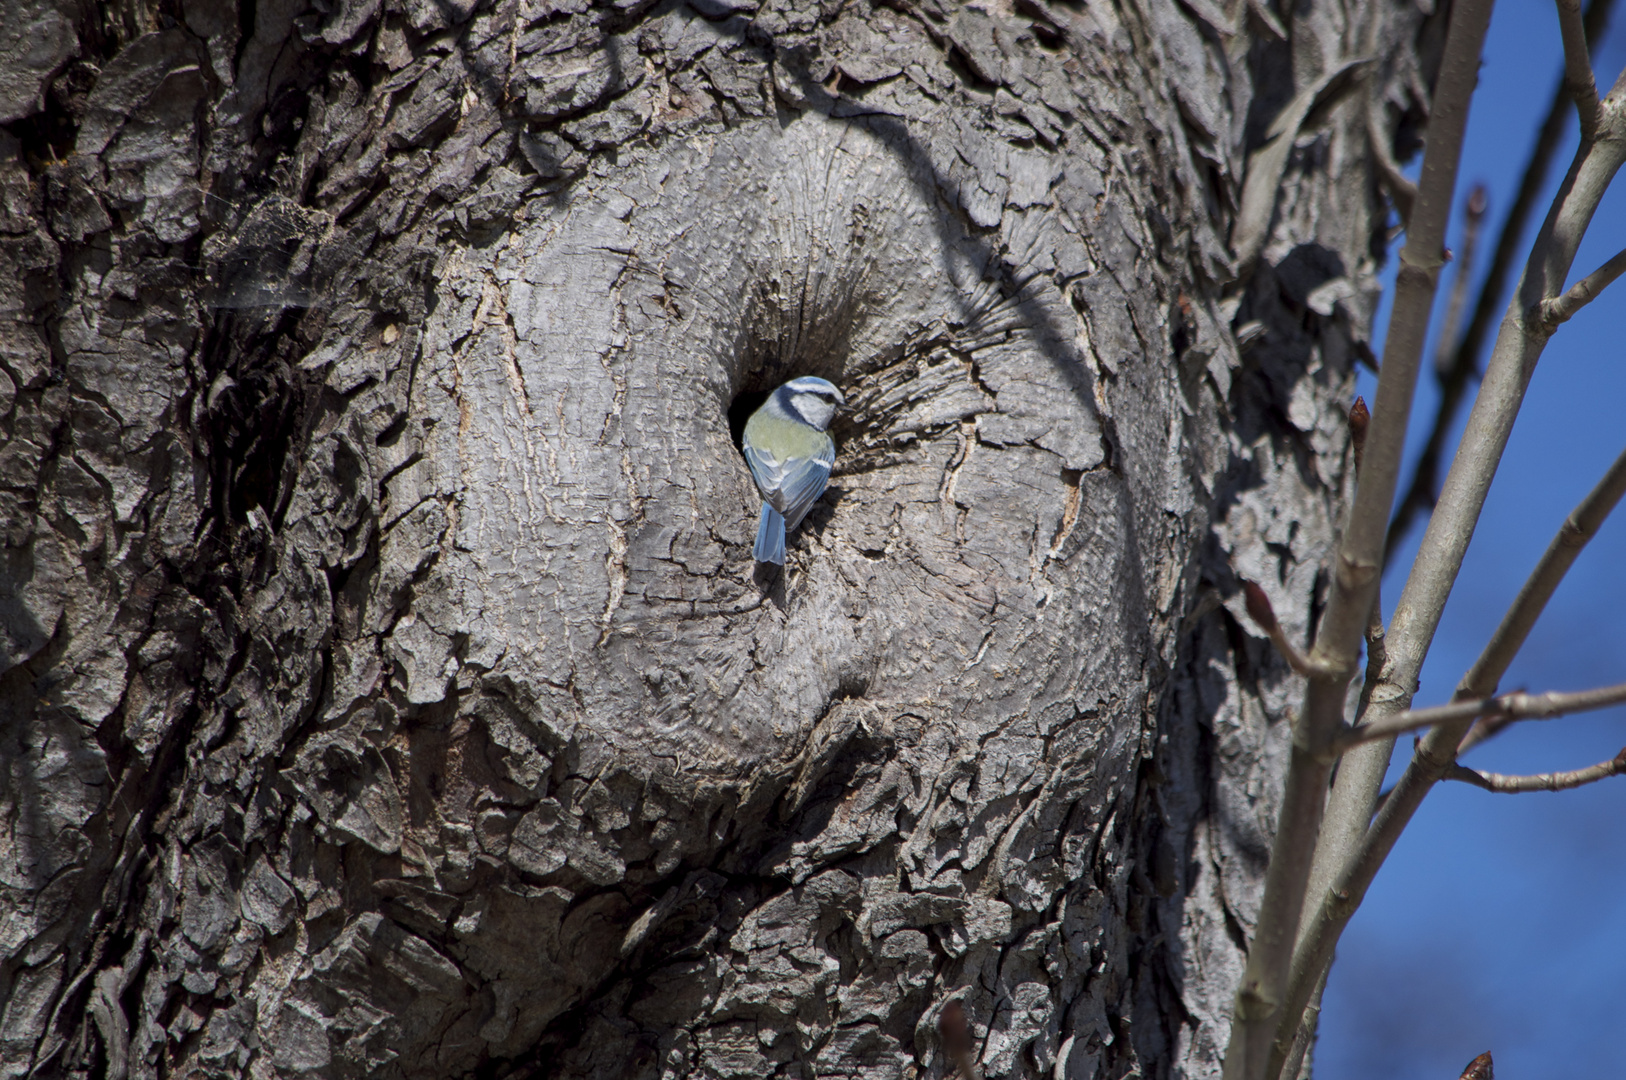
1377,650
1445,346
1518,346
1349,805
1402,192
1360,775
1558,781
1419,496
1294,1069
1578,68
1358,562
1556,311
1486,727
1515,706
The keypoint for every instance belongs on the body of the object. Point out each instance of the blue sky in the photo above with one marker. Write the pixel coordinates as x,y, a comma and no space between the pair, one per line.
1499,922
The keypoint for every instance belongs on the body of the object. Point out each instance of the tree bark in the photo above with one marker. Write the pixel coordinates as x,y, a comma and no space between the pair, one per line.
388,688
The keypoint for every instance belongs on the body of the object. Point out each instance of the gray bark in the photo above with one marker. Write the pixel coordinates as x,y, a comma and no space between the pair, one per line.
388,689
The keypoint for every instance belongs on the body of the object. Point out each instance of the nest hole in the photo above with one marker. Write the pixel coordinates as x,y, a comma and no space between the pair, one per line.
740,409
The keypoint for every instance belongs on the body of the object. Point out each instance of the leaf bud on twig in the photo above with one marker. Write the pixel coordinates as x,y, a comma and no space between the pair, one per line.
1260,611
1360,418
1478,200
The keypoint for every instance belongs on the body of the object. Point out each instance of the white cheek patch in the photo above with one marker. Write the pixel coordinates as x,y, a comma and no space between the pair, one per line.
816,410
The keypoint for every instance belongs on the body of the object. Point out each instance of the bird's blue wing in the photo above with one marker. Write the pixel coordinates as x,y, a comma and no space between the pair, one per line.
765,470
792,486
802,482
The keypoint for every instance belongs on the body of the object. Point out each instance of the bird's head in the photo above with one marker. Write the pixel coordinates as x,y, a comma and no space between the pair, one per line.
812,399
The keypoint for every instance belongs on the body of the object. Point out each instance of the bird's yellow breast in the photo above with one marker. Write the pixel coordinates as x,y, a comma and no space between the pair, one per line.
784,438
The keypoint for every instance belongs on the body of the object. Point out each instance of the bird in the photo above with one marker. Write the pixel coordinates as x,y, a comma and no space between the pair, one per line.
790,455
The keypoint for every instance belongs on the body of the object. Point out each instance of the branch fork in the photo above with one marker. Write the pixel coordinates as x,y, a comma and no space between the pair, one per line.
1556,310
1578,78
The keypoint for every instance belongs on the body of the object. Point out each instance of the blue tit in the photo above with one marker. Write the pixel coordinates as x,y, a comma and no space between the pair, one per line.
790,456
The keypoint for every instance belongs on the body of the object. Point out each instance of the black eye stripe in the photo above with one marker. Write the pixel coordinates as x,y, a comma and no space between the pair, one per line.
831,396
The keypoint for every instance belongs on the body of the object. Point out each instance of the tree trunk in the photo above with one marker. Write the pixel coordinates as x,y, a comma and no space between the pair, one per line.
389,690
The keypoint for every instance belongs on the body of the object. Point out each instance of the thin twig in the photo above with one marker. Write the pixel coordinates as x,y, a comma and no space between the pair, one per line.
1578,68
1362,769
1510,634
1518,347
1515,706
1402,192
1578,529
1261,612
1486,727
1359,559
1355,787
1419,496
1348,806
1295,1067
1552,781
1445,346
1554,312
1360,773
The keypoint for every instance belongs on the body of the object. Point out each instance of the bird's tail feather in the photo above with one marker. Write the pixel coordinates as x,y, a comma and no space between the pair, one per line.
770,536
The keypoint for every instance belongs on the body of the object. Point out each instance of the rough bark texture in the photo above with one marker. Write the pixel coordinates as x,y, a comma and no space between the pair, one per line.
387,690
